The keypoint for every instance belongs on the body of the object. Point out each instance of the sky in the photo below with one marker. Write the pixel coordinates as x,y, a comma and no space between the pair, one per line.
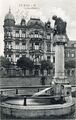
45,9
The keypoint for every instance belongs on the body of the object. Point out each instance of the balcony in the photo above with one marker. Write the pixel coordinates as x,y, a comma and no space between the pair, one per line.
36,51
20,50
7,50
49,51
34,38
8,39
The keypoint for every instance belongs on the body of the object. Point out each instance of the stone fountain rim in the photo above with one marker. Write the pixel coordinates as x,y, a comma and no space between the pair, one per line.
32,107
38,111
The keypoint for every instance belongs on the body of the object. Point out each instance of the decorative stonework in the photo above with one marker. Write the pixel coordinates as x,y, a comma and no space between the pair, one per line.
59,40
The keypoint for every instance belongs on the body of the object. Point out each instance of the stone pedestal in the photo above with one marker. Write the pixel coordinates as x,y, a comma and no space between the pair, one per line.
59,61
59,42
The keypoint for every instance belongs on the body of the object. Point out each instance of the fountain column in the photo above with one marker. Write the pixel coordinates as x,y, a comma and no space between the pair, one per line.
59,42
59,60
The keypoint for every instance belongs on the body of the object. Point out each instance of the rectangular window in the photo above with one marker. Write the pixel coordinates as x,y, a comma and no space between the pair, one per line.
9,43
8,33
48,57
72,45
73,55
68,54
35,35
73,72
36,58
48,36
31,35
17,43
68,72
23,34
17,56
23,55
36,46
9,55
5,43
40,36
17,33
23,43
53,59
48,47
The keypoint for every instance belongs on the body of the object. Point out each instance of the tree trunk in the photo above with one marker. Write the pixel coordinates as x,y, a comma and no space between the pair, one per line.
24,72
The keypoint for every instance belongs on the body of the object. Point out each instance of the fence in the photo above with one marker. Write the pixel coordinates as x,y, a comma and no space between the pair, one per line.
10,91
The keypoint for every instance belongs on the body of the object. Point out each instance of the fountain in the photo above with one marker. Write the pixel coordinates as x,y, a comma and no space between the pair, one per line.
60,39
53,101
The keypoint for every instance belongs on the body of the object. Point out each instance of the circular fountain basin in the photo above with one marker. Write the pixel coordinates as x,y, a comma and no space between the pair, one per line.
34,109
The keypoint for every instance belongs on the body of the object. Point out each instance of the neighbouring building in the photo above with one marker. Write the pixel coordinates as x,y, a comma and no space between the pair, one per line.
70,55
33,39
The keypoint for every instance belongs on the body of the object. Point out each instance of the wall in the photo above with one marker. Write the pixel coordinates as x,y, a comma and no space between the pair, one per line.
23,82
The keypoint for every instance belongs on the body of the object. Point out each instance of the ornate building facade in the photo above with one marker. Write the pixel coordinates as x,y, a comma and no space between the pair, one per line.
32,39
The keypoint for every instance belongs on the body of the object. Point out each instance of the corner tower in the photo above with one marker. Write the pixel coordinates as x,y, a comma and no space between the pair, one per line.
9,24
